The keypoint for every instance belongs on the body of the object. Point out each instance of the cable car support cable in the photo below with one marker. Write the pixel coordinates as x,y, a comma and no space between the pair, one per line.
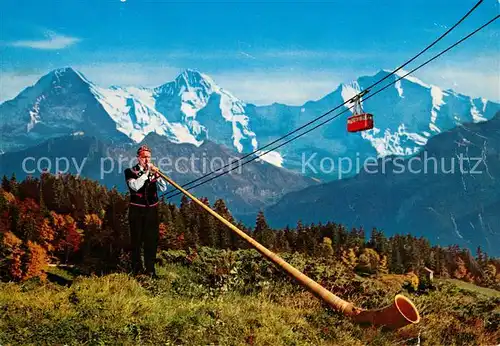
337,115
337,107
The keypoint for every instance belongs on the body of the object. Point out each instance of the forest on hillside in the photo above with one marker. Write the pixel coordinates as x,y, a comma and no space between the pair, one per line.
64,219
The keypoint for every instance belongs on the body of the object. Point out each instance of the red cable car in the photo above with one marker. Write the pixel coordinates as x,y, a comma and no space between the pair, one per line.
359,121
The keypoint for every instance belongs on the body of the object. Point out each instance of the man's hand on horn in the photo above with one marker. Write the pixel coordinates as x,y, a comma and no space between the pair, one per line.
153,168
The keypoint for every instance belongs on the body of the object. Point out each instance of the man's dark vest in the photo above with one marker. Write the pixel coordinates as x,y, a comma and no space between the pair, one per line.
147,195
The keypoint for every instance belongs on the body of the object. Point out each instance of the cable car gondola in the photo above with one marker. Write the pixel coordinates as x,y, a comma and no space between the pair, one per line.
359,121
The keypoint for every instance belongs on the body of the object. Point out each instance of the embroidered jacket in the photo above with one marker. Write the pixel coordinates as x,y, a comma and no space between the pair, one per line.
143,186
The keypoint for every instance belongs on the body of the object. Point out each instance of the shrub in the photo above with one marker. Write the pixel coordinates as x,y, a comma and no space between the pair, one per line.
11,255
36,262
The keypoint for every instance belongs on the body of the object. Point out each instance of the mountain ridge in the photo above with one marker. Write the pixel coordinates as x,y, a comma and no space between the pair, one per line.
245,189
193,108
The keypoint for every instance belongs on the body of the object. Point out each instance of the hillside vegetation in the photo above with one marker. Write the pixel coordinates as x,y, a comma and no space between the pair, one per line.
213,289
231,298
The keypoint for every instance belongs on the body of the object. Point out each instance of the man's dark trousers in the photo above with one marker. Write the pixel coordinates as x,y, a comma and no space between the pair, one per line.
144,231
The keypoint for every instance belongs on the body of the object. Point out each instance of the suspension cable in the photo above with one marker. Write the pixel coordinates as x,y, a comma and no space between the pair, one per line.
337,115
357,96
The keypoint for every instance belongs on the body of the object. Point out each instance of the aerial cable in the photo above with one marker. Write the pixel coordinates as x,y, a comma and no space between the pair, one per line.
356,97
337,115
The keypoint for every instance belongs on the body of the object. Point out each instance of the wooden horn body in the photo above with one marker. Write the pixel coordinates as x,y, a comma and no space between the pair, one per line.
398,314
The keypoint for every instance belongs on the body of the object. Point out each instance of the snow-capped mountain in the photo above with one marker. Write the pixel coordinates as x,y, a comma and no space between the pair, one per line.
406,115
209,111
59,104
60,101
193,108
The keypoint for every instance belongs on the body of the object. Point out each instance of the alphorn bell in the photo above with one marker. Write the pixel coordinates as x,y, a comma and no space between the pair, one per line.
400,313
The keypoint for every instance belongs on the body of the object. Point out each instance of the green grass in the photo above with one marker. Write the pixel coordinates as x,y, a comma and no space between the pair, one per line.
118,309
182,309
471,287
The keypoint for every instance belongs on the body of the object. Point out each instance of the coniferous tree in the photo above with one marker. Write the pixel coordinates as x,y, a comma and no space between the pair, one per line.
437,260
312,240
373,242
206,225
114,215
164,213
188,211
5,183
43,207
378,242
95,238
223,232
301,243
185,210
192,232
29,221
396,247
3,203
240,242
167,230
328,230
15,214
291,238
13,185
260,227
430,262
59,196
28,188
179,230
414,256
262,233
481,258
355,239
445,268
282,242
343,236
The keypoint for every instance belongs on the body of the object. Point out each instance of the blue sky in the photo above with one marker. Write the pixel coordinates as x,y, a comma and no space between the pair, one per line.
262,52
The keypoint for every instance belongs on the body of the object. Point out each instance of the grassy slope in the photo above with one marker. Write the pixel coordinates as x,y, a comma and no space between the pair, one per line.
471,287
118,309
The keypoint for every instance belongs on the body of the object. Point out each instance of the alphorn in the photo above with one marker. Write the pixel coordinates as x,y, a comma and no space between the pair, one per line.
400,313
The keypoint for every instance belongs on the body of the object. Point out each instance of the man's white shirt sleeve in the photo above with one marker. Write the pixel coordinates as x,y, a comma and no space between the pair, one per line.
136,184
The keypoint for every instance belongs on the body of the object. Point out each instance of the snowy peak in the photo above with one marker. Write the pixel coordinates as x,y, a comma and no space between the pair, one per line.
59,104
64,72
134,112
193,108
67,78
407,113
169,110
409,78
189,79
58,81
350,90
209,112
193,79
411,111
